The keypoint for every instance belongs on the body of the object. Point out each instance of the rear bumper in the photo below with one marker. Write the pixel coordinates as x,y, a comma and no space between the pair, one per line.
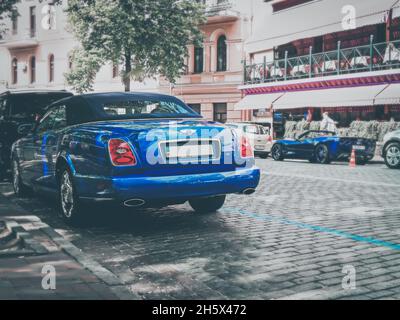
171,189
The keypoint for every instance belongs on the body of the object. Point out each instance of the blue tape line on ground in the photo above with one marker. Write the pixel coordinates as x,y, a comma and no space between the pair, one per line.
302,225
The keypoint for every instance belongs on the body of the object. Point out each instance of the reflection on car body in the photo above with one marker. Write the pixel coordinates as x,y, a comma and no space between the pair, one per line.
117,147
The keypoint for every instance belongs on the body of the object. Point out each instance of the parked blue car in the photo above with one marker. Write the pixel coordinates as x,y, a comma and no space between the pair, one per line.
323,147
134,149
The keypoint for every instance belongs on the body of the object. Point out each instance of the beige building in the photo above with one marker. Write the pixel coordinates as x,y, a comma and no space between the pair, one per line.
35,53
215,70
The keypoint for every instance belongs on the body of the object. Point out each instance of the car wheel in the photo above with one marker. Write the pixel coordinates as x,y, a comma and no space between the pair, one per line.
19,188
392,155
322,154
71,208
361,162
207,205
277,152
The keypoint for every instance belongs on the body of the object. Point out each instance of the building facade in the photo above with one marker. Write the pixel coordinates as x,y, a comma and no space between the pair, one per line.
215,70
35,52
338,56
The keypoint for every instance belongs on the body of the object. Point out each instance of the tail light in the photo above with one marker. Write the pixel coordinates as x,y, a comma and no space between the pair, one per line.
121,153
246,151
269,139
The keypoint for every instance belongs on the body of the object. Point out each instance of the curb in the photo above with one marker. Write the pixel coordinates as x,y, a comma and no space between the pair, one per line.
116,285
32,246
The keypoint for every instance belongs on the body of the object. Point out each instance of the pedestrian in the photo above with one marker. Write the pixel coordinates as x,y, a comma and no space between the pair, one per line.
328,124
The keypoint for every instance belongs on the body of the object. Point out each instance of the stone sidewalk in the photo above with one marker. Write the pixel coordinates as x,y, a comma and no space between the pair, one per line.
33,248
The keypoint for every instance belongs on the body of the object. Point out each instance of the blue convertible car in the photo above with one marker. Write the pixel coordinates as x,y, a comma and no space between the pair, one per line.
135,149
323,147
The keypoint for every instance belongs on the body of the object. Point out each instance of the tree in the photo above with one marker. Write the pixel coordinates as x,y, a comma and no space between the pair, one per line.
147,37
7,10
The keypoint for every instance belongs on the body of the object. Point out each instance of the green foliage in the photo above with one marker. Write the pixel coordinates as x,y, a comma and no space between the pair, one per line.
82,77
7,10
148,37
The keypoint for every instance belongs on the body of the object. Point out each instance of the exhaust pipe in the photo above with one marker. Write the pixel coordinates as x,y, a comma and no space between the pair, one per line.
248,191
134,203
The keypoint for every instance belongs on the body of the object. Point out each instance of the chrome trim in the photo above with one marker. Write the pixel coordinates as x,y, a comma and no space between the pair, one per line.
136,203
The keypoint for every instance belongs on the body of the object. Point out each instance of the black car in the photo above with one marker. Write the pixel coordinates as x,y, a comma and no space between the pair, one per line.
18,112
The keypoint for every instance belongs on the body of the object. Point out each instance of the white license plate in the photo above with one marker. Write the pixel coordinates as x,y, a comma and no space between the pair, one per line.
190,151
359,147
259,147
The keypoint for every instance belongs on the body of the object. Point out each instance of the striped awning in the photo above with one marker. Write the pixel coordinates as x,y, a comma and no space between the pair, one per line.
257,101
391,95
330,98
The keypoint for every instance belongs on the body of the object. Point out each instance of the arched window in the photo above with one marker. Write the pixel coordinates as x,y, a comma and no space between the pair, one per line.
14,70
70,61
51,68
198,59
221,53
115,70
32,67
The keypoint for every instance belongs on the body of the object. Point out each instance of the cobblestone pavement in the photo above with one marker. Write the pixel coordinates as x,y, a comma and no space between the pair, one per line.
289,240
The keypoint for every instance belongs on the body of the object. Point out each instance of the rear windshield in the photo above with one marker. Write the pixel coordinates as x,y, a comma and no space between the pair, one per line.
28,106
137,109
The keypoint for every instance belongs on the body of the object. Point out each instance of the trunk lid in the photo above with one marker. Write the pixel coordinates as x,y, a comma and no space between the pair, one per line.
175,146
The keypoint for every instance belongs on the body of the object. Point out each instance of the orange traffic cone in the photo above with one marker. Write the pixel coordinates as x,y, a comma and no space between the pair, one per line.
353,159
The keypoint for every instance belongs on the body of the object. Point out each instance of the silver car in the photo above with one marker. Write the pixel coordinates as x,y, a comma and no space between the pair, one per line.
259,137
391,149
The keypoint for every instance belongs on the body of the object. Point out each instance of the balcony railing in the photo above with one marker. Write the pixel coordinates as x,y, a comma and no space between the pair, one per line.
370,57
215,6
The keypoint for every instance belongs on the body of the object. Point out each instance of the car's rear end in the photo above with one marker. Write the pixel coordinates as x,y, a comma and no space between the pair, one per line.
259,137
155,162
364,148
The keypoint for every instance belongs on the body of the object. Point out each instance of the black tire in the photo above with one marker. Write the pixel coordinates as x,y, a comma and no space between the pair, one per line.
392,155
321,154
277,152
207,205
70,204
361,162
20,189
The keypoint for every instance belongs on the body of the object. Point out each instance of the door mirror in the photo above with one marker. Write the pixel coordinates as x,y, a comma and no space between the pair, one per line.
24,129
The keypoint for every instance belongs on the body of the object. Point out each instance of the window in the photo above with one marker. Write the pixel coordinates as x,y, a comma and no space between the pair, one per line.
70,61
251,129
14,71
2,108
196,107
56,118
220,112
198,59
32,65
51,68
14,20
115,71
32,21
30,105
221,53
138,108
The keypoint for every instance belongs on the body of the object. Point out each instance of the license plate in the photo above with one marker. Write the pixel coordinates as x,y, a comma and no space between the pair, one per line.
259,147
359,147
190,151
